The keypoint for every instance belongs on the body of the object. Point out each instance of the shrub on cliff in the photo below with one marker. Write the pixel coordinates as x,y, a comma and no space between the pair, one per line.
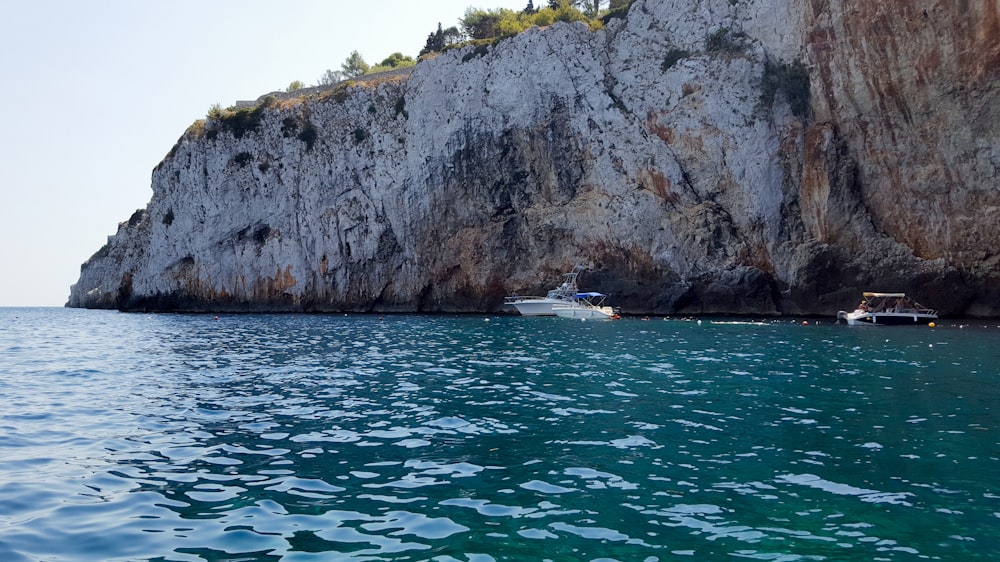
242,121
618,9
792,79
136,217
339,93
672,57
308,135
478,26
392,62
242,158
723,40
239,121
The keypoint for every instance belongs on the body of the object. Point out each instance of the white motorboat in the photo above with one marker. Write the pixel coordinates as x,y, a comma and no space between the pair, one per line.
888,309
542,306
586,306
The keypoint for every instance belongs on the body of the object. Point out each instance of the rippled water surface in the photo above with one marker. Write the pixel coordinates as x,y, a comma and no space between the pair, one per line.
170,437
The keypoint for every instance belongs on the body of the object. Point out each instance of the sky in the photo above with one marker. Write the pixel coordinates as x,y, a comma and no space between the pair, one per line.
95,93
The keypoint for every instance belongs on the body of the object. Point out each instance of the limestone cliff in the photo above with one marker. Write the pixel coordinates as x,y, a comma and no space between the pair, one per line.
699,156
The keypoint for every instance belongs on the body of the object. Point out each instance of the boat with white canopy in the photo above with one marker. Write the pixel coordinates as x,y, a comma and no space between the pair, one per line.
887,309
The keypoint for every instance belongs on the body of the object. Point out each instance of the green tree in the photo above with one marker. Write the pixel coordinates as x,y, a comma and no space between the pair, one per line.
396,60
435,42
590,8
512,23
481,24
295,85
487,25
354,66
393,61
331,77
438,40
563,10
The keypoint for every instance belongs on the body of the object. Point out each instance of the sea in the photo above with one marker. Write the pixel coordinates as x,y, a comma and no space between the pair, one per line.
495,437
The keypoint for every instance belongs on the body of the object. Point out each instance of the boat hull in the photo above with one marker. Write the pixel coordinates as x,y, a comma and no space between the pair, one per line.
858,318
535,307
542,306
585,313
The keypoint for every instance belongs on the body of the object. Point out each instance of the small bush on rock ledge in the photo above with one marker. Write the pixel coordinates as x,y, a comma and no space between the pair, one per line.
672,57
723,40
240,121
793,80
308,135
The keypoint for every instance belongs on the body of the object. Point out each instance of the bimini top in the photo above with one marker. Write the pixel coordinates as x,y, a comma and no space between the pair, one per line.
880,295
588,295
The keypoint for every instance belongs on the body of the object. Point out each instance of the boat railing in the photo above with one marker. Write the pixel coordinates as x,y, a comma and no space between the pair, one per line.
519,298
893,305
910,308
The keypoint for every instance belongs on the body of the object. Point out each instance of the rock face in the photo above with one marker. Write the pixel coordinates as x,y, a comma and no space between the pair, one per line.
698,156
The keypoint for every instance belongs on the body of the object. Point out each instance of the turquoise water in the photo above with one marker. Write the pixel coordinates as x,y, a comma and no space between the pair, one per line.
172,437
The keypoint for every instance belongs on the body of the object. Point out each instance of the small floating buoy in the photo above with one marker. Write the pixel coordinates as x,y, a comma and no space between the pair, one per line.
932,324
216,318
805,322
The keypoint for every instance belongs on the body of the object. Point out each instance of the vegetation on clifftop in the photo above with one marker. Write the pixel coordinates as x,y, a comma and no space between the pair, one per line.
238,121
478,27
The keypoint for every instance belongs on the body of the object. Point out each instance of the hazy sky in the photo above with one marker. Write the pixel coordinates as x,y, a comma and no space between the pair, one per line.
95,93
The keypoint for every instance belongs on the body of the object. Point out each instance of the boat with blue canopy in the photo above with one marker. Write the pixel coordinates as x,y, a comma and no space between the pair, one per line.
589,305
